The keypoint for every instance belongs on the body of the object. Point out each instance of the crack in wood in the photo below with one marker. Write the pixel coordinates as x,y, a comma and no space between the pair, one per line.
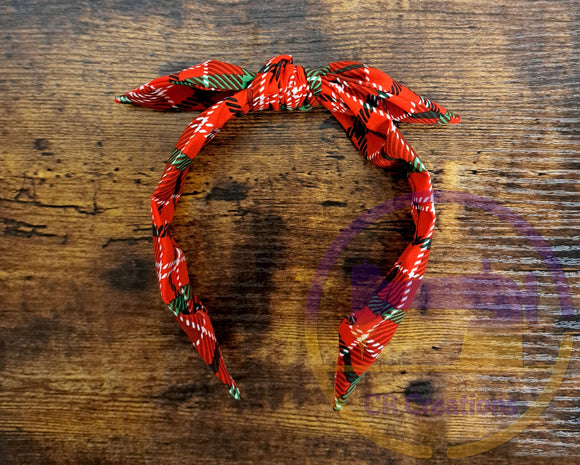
130,240
83,210
23,229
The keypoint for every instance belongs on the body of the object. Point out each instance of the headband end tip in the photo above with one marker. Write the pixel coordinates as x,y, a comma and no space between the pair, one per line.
122,99
234,392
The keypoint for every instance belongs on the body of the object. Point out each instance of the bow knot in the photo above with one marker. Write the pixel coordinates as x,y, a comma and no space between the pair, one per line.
281,85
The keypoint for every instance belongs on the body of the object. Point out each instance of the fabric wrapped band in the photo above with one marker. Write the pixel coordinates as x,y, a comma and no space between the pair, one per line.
367,103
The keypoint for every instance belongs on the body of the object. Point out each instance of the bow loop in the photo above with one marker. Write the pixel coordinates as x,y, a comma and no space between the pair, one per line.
401,103
192,89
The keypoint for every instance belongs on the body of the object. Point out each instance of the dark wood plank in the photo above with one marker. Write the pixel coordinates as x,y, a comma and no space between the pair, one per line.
94,369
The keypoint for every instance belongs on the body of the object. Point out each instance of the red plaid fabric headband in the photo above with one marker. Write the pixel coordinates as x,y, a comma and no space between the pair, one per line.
367,103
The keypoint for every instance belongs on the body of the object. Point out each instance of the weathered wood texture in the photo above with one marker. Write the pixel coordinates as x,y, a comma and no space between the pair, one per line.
94,369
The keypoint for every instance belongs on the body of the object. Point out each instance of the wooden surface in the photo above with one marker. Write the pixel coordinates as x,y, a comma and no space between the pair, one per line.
94,370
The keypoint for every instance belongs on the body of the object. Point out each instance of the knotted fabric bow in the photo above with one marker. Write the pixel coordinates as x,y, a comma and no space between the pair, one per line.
366,102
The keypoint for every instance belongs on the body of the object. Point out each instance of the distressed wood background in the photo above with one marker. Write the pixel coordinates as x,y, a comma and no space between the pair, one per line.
93,368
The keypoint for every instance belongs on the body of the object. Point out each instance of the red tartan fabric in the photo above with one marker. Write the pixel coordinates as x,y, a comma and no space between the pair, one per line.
367,103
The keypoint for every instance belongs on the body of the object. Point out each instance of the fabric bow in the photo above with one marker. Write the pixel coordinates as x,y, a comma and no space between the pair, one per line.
366,102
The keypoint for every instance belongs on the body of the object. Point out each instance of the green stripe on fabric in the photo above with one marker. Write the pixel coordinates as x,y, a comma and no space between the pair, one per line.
229,80
179,304
246,77
418,165
313,77
444,119
123,99
394,314
425,115
215,81
234,392
340,401
220,81
179,159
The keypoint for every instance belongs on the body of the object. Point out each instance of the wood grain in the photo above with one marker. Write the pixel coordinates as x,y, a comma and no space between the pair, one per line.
93,368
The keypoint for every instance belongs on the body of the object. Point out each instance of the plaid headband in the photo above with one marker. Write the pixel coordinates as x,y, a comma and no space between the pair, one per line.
367,103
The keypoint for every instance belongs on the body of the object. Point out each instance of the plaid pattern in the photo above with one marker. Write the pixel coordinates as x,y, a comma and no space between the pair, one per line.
367,103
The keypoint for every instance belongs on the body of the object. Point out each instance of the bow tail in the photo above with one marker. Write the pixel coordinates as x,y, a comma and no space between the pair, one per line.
394,98
406,106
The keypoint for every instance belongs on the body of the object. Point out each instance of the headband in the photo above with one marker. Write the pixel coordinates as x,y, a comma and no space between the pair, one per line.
367,103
